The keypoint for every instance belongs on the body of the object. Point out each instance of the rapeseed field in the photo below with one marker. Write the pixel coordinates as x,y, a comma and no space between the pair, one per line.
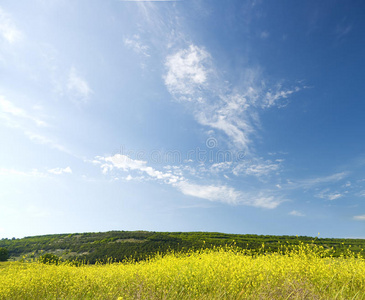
302,272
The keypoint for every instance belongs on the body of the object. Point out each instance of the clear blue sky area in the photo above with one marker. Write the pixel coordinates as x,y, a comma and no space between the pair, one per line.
230,116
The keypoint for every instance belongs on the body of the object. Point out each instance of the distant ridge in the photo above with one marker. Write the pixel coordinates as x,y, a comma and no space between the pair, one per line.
138,245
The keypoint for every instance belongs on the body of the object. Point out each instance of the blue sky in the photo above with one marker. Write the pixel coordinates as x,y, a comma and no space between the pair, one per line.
229,116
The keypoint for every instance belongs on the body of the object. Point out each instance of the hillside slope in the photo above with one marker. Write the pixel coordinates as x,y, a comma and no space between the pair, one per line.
138,245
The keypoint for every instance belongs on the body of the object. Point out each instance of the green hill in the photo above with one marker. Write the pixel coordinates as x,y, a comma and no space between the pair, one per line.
138,245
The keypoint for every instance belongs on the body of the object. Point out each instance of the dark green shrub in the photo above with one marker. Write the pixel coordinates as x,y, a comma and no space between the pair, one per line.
49,259
4,254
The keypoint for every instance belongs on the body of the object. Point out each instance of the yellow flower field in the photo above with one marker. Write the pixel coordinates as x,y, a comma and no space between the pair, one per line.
306,272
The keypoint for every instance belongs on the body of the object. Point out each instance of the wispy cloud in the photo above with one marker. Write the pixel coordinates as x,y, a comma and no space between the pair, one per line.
275,97
327,194
264,34
257,167
78,86
296,213
41,139
192,78
8,30
221,167
264,200
211,192
125,163
34,172
13,172
187,72
313,182
9,108
342,29
238,130
359,218
16,117
136,45
334,196
361,194
59,171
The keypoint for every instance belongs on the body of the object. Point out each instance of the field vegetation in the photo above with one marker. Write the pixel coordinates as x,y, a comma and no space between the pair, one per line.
303,271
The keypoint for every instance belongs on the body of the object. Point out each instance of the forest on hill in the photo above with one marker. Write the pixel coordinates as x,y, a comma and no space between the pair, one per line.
138,245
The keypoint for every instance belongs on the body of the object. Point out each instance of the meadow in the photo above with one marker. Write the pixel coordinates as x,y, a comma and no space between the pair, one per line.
301,272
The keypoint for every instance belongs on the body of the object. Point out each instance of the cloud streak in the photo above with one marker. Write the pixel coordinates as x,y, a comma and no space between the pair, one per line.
192,78
359,218
313,182
8,30
16,117
217,193
13,172
9,108
78,86
136,45
43,140
60,171
34,172
296,213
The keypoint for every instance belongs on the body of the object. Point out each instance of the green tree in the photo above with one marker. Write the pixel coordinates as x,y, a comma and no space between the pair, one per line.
4,254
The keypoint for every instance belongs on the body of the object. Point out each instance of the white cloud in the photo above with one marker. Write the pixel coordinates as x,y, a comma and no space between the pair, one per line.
257,168
192,78
273,97
125,163
361,194
221,193
331,178
9,108
233,127
77,86
8,31
136,45
265,201
359,218
13,172
334,196
313,182
46,141
342,29
220,167
210,192
16,117
59,171
187,71
326,194
264,34
296,213
34,172
229,195
348,184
